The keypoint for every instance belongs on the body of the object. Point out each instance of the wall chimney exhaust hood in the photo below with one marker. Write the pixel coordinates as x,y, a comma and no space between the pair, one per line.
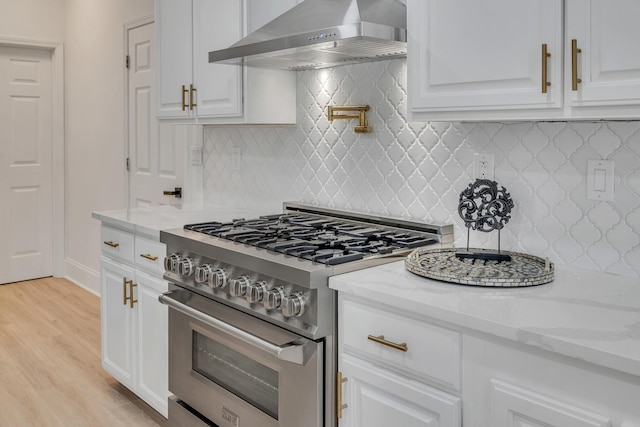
324,33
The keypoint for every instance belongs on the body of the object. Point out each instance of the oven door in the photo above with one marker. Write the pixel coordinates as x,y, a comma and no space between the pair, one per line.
237,370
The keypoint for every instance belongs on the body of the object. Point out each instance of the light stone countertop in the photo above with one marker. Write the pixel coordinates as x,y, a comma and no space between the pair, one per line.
150,220
584,315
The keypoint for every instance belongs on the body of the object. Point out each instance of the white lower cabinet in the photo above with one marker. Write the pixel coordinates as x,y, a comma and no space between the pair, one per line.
133,321
117,322
514,406
378,397
407,369
382,354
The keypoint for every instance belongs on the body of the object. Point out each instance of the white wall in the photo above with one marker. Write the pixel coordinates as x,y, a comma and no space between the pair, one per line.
32,19
95,145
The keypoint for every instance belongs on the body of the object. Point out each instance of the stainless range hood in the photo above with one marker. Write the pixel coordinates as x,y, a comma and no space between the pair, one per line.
324,33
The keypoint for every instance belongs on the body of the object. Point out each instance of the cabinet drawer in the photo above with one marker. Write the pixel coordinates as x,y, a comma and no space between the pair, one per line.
432,352
149,255
116,243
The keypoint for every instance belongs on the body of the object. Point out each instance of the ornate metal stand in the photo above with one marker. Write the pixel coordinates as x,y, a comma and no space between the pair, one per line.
485,207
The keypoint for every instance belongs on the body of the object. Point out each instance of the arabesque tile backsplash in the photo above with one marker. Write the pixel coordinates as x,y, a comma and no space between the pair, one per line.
417,170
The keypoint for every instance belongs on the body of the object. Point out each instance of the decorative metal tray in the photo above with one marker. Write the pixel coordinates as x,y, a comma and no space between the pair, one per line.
442,264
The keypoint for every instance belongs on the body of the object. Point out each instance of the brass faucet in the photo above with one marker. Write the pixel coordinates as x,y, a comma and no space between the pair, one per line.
362,126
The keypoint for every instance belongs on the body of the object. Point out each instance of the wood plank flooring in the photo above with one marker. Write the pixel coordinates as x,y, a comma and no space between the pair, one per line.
50,366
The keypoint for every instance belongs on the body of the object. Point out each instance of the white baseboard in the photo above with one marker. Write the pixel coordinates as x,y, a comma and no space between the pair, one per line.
82,276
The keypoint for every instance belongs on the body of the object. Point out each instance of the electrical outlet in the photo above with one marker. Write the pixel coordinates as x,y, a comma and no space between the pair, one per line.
236,158
483,166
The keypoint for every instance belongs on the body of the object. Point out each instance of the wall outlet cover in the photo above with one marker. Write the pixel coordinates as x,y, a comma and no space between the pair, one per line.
483,165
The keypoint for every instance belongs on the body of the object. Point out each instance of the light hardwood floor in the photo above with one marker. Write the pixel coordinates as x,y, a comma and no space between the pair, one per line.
50,368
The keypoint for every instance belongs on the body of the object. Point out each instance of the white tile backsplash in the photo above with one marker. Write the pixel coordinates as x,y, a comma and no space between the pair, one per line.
417,170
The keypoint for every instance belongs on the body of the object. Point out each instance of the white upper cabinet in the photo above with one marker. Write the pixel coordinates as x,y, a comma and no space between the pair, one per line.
466,55
191,90
608,36
470,60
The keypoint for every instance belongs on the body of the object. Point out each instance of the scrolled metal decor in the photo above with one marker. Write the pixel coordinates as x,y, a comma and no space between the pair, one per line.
485,206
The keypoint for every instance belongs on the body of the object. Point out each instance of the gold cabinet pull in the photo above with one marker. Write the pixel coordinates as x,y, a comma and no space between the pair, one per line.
149,257
340,406
380,340
125,282
545,56
574,64
131,300
191,97
184,91
113,245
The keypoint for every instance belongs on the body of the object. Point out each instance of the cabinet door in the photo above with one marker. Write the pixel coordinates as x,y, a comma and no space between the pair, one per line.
117,322
470,56
174,56
152,342
378,398
217,24
608,35
513,406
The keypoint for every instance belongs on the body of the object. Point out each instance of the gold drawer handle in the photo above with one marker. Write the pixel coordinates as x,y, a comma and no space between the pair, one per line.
125,282
339,405
149,257
113,245
131,300
381,340
575,50
545,57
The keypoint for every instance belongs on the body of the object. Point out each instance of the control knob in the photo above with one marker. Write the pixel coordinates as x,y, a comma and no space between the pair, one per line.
186,267
255,291
171,262
294,305
218,278
239,286
273,298
203,273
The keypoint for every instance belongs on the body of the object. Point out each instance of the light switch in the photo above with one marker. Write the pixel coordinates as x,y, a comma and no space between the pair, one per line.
600,180
196,155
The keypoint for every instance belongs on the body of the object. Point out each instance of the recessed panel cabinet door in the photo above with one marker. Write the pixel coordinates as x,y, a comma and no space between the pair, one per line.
118,322
174,61
608,64
376,397
468,55
217,24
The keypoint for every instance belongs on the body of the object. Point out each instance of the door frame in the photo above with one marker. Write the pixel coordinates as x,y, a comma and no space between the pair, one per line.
57,140
130,25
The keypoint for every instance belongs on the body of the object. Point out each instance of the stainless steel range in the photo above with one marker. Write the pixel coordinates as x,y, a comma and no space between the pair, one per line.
252,321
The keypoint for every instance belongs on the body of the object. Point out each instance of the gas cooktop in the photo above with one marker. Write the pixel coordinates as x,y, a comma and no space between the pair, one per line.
324,240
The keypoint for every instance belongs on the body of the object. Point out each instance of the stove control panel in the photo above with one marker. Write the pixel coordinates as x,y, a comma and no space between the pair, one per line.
250,291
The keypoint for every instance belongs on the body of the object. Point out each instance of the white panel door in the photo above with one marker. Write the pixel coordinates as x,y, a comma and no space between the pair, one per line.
608,35
156,152
483,55
26,210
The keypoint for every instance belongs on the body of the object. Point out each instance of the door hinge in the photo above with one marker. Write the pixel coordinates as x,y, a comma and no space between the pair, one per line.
127,164
127,61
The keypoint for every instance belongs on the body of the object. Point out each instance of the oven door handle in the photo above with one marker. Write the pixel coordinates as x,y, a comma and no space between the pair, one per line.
297,352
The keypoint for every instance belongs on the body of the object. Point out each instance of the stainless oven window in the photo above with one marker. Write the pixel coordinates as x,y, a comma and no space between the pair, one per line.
249,380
